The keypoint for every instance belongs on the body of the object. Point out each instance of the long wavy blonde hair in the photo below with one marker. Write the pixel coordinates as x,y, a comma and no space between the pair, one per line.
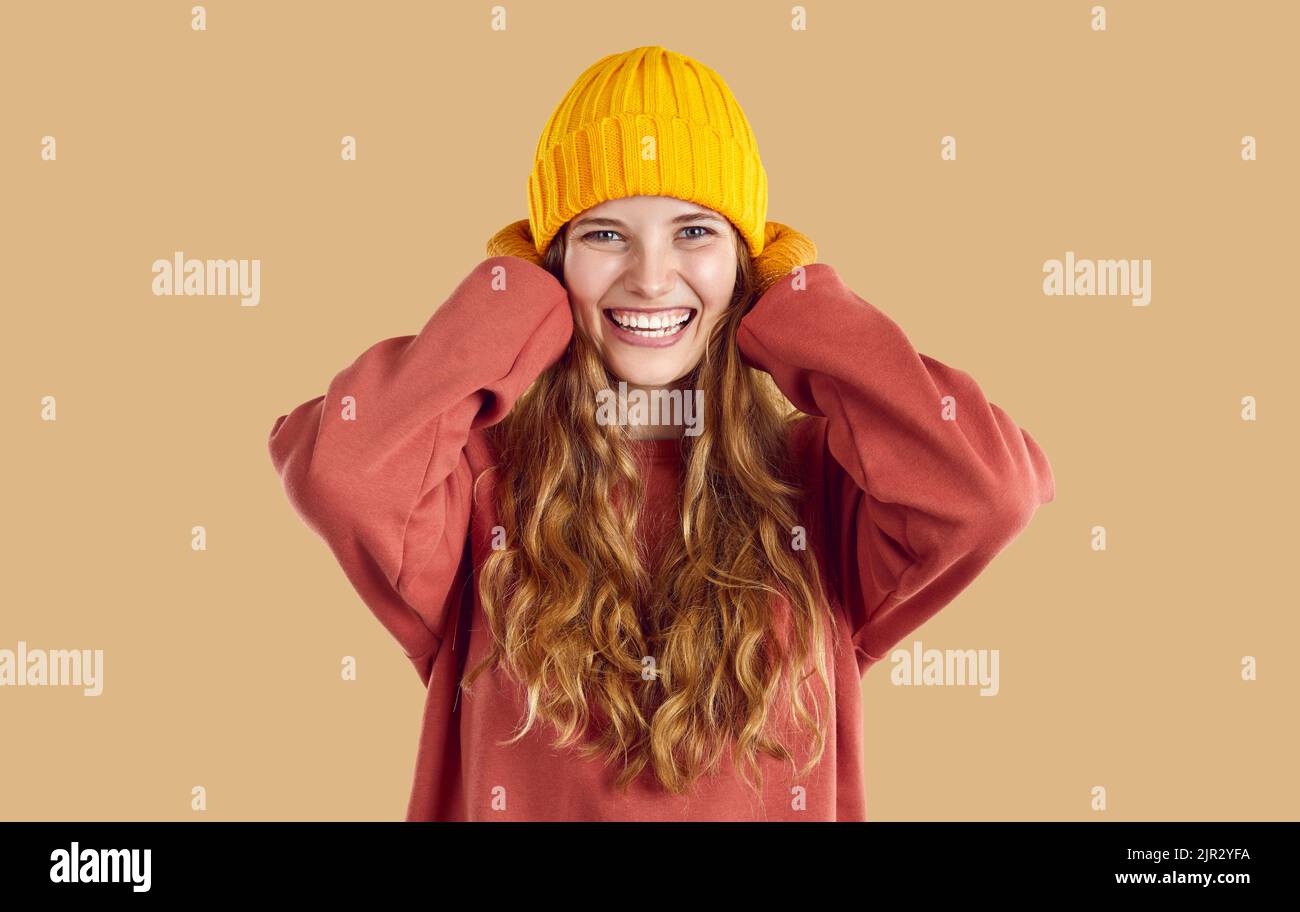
664,666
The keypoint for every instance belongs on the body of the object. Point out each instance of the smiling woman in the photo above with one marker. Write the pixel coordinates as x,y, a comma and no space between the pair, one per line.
619,620
649,277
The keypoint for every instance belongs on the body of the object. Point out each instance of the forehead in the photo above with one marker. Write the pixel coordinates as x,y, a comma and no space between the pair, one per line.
647,210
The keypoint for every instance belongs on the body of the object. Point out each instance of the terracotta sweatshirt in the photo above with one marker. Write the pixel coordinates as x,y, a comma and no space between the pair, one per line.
904,508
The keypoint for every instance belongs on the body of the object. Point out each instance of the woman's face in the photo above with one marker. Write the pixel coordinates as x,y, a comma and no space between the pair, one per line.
651,262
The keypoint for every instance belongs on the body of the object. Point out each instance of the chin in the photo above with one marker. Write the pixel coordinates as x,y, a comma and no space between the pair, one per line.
648,376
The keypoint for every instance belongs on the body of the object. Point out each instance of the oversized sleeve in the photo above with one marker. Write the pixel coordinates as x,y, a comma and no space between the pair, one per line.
377,467
928,481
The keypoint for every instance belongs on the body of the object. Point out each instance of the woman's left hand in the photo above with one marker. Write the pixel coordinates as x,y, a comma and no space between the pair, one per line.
784,249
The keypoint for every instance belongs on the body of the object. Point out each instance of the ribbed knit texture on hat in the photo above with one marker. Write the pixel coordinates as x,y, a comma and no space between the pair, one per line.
595,145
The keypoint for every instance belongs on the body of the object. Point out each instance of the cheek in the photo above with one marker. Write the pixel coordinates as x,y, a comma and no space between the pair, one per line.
714,276
711,272
712,314
586,314
587,285
714,282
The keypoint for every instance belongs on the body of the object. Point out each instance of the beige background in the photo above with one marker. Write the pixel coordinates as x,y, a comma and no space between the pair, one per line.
1118,669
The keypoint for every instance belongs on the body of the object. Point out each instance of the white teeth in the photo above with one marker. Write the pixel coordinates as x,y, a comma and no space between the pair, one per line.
665,328
650,325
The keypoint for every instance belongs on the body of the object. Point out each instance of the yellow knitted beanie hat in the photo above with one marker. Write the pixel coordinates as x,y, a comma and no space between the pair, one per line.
650,122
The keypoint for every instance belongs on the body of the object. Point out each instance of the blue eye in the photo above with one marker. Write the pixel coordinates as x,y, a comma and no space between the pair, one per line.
591,235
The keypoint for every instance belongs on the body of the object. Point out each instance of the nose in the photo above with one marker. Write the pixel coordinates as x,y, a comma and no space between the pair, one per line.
652,274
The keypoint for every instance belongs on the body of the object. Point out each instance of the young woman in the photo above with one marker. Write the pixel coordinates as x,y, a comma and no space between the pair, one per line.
634,613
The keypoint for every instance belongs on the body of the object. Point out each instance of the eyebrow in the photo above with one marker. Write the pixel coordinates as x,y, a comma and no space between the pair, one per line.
697,215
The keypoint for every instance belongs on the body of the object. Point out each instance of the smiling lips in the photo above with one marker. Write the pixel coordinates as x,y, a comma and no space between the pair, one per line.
651,325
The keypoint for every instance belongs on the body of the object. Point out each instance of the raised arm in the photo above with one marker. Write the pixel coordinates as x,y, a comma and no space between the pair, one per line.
376,466
928,480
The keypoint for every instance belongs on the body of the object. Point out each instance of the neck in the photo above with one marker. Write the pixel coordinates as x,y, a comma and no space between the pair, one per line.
652,429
